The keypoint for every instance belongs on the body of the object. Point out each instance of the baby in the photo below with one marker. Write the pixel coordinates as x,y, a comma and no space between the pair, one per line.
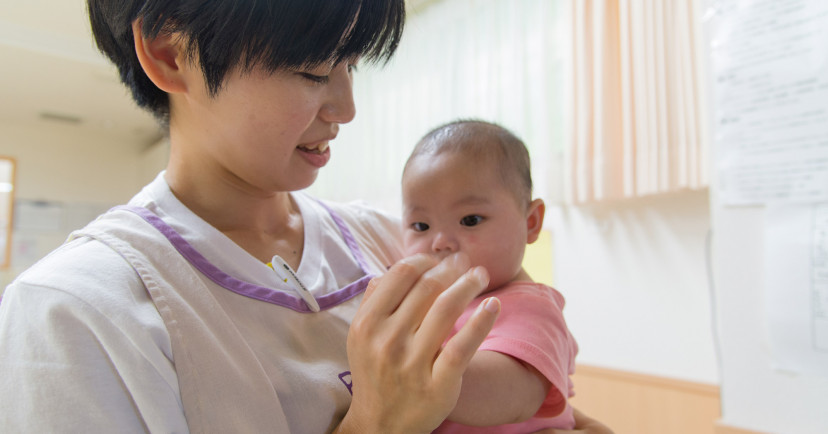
467,187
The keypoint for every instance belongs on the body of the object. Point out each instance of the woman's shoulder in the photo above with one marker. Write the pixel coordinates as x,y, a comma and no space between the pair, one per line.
353,210
376,231
85,311
86,271
359,215
86,282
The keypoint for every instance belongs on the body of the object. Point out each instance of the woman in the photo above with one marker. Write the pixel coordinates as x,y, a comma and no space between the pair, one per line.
219,299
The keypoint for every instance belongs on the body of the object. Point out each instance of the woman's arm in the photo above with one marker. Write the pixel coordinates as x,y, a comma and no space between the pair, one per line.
404,380
498,389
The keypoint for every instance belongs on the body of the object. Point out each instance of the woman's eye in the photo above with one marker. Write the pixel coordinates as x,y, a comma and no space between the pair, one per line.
419,226
471,220
320,79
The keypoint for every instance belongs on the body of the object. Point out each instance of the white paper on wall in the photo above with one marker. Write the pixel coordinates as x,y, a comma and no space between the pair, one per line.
770,82
796,263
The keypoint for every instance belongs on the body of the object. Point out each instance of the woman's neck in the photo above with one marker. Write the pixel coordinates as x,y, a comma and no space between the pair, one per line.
262,223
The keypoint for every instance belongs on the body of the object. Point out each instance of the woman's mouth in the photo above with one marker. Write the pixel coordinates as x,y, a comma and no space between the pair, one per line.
316,154
316,148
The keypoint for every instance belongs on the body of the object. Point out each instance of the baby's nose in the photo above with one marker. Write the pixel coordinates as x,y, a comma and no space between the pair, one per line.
444,244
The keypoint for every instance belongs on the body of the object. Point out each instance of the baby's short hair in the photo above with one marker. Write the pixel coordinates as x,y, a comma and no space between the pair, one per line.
222,35
484,141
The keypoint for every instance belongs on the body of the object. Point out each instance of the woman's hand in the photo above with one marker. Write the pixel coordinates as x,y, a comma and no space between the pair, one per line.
404,379
583,425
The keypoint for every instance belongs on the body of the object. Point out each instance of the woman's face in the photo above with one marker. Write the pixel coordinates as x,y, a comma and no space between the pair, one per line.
265,132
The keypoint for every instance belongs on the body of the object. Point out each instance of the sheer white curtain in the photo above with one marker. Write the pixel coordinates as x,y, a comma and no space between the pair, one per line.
609,96
498,60
639,115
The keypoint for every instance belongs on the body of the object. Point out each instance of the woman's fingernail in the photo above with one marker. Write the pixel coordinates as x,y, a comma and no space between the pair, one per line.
491,304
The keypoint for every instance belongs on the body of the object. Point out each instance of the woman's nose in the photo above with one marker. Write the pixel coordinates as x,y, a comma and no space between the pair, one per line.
339,108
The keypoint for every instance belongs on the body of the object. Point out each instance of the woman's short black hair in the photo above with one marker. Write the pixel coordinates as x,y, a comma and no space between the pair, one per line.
224,34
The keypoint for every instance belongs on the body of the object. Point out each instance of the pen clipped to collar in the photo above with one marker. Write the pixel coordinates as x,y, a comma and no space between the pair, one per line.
287,275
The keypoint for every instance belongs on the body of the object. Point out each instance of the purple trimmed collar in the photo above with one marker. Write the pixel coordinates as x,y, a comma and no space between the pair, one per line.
247,289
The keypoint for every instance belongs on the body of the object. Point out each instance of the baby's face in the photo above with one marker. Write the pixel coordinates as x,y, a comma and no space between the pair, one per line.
453,203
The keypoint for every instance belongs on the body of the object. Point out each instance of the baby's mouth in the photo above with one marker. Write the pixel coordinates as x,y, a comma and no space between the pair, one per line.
318,148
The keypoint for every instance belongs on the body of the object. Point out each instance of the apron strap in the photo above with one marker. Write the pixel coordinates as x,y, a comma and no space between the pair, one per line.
223,386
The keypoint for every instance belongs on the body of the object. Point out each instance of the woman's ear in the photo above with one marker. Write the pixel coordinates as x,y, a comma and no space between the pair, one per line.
161,57
534,220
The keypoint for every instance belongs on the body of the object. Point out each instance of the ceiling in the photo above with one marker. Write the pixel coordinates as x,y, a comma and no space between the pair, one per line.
52,74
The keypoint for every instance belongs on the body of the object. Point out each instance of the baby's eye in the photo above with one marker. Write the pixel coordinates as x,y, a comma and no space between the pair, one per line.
471,220
419,226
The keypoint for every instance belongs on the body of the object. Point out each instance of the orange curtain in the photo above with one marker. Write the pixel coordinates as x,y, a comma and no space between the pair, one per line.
638,122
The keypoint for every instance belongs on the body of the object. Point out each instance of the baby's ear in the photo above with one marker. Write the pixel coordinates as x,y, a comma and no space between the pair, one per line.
534,220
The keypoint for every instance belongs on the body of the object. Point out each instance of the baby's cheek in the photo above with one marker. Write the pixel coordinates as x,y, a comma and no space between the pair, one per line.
491,256
413,246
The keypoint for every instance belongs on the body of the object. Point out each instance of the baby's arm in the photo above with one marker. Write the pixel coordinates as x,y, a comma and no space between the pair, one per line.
583,425
499,389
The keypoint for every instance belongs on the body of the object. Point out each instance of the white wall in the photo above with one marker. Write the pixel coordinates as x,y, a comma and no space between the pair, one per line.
78,173
635,280
755,395
57,163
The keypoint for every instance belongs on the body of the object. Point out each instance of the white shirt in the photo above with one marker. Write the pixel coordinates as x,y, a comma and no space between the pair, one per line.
84,348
